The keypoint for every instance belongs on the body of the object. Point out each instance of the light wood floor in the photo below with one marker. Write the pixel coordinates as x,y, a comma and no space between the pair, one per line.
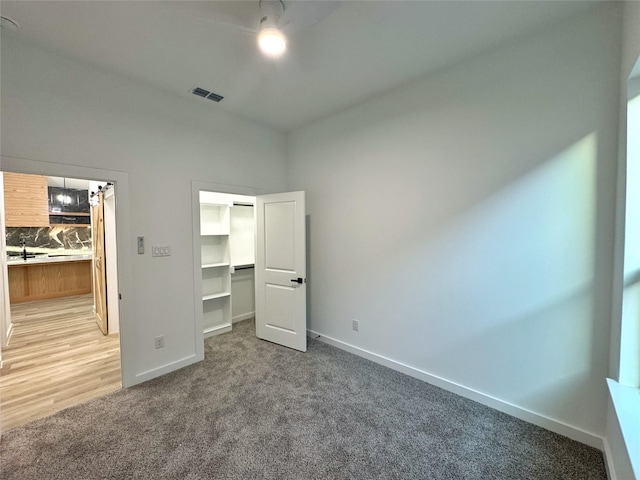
57,358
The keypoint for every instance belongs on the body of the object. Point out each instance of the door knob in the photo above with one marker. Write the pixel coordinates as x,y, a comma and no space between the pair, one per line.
297,280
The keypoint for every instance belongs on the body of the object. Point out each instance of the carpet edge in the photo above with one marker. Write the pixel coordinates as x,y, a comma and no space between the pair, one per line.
561,428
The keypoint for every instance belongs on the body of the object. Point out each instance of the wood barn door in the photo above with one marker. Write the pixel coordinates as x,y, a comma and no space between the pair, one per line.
99,271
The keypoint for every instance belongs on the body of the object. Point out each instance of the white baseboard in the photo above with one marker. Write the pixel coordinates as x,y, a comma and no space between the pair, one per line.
244,316
164,369
543,421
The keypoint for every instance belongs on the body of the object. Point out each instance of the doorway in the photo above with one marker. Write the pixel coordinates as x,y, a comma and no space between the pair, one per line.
269,237
54,354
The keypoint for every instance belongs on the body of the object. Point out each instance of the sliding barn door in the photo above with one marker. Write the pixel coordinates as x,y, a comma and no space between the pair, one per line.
281,285
99,271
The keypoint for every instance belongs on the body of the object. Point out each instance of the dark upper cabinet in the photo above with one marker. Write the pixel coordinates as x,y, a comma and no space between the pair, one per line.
56,199
69,219
83,201
64,201
68,200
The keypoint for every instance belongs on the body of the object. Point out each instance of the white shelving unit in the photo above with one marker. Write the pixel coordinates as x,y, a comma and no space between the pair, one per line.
227,248
215,228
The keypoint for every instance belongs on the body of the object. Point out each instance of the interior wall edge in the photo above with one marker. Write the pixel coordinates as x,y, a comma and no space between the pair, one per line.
6,326
609,464
616,456
570,431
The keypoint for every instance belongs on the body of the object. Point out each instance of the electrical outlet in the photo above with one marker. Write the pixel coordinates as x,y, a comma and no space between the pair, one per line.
160,341
355,324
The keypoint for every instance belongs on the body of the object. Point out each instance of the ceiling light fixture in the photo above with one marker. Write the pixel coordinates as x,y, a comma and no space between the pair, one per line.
271,40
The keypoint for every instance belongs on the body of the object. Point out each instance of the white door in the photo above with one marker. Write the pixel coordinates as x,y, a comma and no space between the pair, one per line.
281,284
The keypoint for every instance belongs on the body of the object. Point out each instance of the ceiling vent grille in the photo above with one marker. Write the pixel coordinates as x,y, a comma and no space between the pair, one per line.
201,92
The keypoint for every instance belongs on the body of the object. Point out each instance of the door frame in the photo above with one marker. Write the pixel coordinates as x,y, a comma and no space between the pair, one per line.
196,188
5,308
123,233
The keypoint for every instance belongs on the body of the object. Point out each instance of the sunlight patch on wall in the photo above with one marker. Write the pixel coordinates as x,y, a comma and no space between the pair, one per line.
534,239
513,277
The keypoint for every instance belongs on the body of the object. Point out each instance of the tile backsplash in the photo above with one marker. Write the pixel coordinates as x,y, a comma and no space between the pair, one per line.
50,238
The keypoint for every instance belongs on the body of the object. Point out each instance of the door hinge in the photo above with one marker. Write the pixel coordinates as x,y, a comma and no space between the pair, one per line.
119,296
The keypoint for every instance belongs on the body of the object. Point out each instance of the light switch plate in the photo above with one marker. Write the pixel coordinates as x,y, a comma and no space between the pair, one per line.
140,245
160,251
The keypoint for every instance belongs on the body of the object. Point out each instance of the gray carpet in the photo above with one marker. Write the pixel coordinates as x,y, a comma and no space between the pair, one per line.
254,410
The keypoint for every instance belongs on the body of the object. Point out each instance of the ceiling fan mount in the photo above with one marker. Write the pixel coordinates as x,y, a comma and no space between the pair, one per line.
282,19
270,11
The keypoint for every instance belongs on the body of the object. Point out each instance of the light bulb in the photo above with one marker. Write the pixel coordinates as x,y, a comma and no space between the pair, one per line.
272,42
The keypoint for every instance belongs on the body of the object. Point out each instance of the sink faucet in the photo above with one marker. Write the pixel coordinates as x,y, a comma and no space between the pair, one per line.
23,244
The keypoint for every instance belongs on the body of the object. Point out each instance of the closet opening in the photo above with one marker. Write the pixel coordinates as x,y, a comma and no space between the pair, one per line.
249,254
227,260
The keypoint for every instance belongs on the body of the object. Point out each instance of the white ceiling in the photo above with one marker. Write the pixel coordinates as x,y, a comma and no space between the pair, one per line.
356,50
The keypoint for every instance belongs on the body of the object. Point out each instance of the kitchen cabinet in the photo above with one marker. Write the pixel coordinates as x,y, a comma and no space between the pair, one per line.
70,219
40,281
68,200
68,206
25,200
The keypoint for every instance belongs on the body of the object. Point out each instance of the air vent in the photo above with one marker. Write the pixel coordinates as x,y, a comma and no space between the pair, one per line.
201,92
215,97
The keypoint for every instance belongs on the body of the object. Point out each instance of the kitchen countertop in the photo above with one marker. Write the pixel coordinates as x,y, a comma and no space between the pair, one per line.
47,259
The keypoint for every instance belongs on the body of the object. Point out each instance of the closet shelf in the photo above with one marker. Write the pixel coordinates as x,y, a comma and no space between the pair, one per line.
216,295
217,329
244,266
215,265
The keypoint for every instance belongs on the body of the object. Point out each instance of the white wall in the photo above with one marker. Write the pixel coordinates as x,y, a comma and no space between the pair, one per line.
466,220
57,110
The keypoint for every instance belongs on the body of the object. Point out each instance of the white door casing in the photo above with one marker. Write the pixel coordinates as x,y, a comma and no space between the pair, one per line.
280,269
